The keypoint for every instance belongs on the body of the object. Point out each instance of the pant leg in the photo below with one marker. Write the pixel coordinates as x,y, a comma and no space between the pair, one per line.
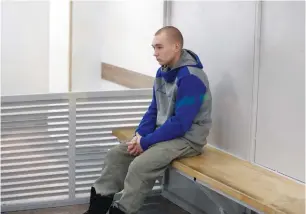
116,162
146,168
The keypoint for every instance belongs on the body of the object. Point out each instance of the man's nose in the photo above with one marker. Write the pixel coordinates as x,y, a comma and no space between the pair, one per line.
155,54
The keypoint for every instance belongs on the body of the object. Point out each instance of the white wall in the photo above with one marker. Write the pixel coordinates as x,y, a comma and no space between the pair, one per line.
119,33
24,47
280,139
86,45
59,46
222,34
129,43
35,43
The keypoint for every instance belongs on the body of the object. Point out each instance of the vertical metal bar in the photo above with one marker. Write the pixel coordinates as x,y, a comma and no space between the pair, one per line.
167,13
70,44
71,150
256,62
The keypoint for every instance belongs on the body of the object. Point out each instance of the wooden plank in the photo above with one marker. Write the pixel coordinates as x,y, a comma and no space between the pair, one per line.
260,188
124,134
127,78
253,185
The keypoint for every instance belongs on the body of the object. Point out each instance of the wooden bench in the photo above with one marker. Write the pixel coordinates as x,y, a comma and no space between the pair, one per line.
242,181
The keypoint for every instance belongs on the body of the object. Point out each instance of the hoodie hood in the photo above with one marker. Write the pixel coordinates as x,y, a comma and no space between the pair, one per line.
188,58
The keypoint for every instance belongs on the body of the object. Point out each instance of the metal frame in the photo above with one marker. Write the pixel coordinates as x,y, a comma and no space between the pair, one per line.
190,208
201,184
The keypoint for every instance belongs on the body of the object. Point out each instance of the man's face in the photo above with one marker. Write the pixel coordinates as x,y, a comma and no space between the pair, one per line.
164,50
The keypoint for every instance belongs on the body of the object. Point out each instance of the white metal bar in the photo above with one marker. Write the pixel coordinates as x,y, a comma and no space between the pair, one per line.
112,110
45,163
34,107
101,138
167,13
80,95
256,65
17,197
72,140
58,202
97,143
33,128
29,189
9,142
87,130
27,123
27,133
33,115
40,157
113,104
40,175
107,123
136,93
7,104
37,113
25,183
110,116
34,97
33,150
30,170
107,127
93,134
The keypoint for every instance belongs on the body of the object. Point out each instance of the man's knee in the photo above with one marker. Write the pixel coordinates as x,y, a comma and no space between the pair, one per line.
113,155
140,166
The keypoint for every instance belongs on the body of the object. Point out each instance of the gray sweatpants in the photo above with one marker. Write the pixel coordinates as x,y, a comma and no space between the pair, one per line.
137,175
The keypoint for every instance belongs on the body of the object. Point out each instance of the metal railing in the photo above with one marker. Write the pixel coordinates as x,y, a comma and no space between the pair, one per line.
53,145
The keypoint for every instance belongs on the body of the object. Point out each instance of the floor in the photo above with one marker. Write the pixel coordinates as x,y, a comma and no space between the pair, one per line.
153,205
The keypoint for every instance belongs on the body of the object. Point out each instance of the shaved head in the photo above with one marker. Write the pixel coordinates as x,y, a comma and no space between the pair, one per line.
173,34
168,45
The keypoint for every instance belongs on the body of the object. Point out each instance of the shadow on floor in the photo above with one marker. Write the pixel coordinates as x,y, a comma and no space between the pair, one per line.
153,205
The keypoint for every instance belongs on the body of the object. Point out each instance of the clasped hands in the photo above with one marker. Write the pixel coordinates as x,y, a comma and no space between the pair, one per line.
134,147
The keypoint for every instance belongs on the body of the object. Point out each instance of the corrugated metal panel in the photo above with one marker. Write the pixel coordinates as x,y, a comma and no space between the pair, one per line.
95,118
54,145
34,145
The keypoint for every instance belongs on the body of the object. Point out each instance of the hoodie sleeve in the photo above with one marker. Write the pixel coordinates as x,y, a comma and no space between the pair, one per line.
190,95
148,123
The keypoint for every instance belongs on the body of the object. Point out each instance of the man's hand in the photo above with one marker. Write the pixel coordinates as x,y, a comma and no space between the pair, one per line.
131,143
134,147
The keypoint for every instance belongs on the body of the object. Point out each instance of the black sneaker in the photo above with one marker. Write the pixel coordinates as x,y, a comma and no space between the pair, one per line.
91,201
115,210
98,204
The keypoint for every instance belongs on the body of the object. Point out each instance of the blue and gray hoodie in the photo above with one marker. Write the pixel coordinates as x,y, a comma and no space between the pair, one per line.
181,105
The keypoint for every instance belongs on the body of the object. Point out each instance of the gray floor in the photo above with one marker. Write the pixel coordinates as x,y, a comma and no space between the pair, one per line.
153,205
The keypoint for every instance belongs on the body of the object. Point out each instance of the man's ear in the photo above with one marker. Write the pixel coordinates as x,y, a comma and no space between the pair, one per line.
177,47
